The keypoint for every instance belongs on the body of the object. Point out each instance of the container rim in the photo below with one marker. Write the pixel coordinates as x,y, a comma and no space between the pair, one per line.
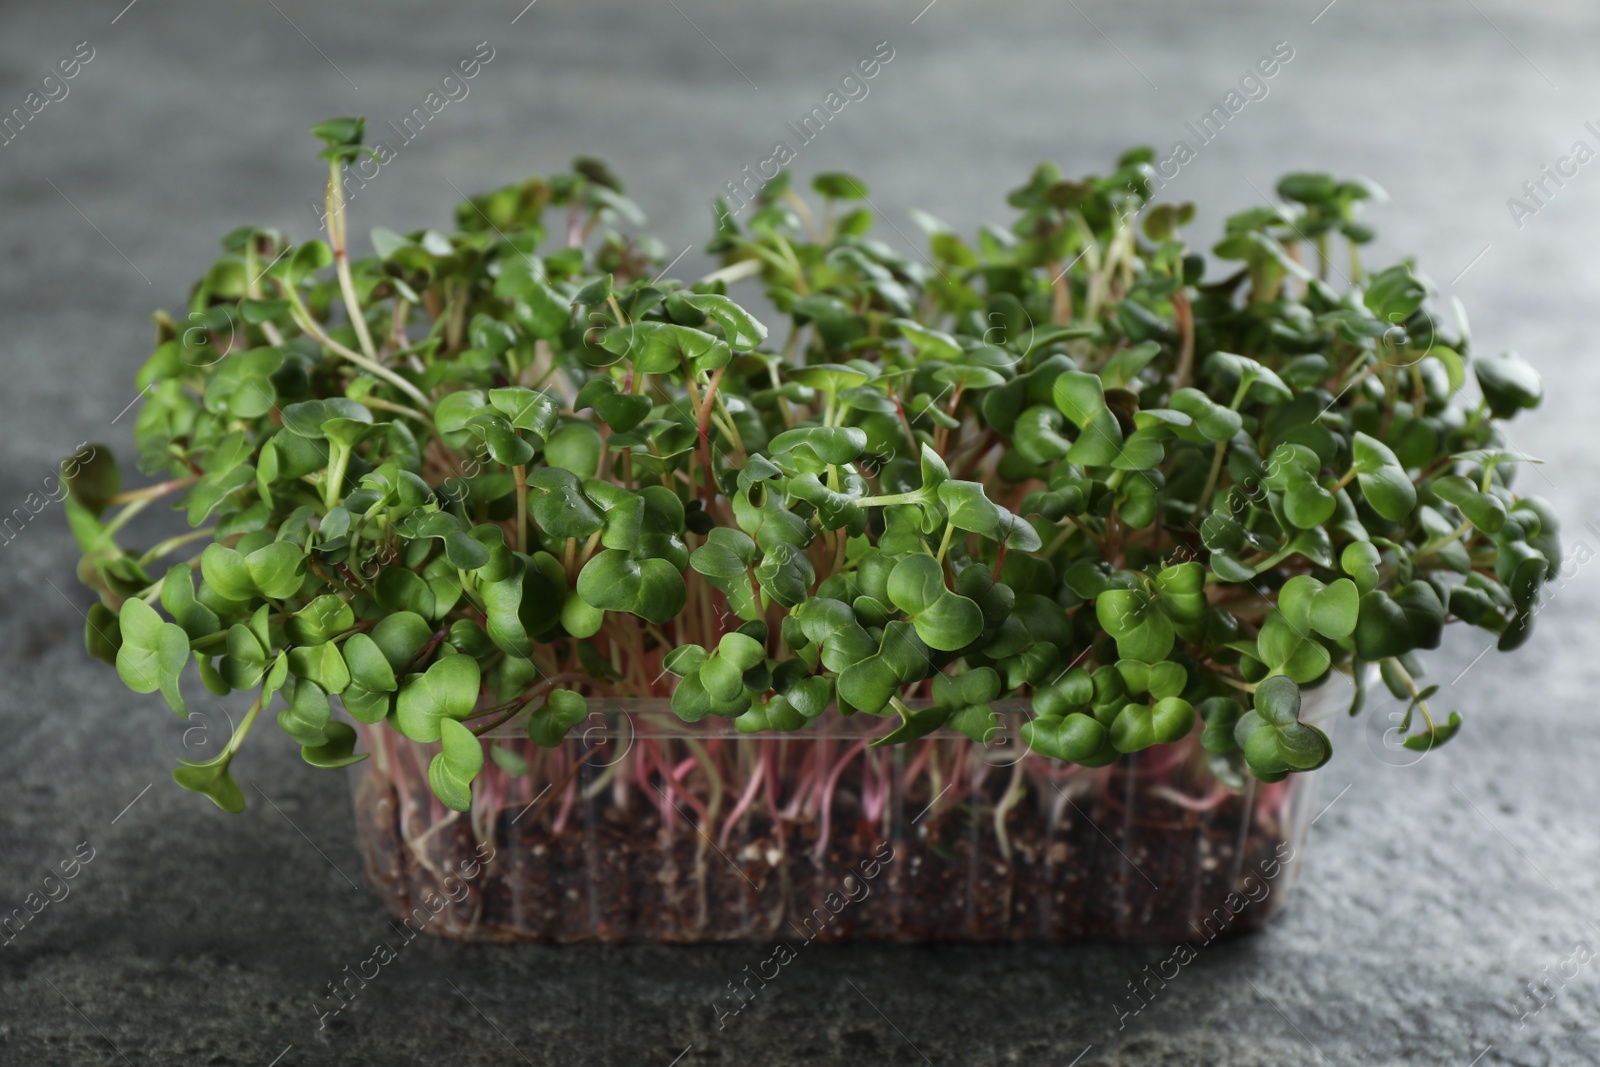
652,718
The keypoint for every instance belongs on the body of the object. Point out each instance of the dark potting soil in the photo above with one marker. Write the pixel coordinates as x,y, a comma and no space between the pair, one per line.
1092,873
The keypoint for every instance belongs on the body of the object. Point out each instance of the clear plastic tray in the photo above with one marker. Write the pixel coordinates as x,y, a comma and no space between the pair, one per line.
641,827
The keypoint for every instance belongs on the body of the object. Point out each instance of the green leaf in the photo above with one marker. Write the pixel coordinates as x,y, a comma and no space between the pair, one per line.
559,507
224,570
1303,747
1509,384
1394,294
977,721
562,710
1483,510
406,592
1141,451
1221,715
453,411
1081,397
385,243
1167,679
1274,740
1382,629
501,441
340,131
1307,188
1261,753
321,664
1330,610
401,637
1360,560
451,772
276,570
839,186
244,660
177,596
684,660
536,308
102,633
944,620
153,653
337,751
1335,609
913,724
902,658
508,761
1142,632
726,555
1214,421
832,627
93,479
1074,738
368,666
1182,588
776,714
1437,736
828,377
620,411
595,292
1384,483
1307,504
1243,374
741,328
312,419
323,619
664,348
212,779
309,258
308,712
969,509
1493,457
461,549
575,447
1424,613
447,691
366,705
1137,726
1277,700
1126,363
650,588
830,444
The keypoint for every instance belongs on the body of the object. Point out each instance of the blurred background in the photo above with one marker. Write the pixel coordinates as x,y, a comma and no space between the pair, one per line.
1435,890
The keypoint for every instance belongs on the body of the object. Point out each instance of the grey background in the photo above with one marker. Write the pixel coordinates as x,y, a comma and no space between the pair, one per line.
1433,891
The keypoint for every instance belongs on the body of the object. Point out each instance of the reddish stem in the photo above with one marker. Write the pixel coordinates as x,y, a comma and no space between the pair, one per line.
827,795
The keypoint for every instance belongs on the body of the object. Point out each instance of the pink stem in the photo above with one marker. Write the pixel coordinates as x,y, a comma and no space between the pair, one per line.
875,797
769,759
1205,803
652,756
914,768
744,802
671,787
827,794
568,796
791,812
814,791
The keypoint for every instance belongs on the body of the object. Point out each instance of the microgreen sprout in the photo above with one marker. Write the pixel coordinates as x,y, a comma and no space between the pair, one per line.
495,472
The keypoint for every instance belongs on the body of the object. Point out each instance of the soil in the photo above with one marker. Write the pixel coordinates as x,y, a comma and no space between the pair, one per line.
1080,871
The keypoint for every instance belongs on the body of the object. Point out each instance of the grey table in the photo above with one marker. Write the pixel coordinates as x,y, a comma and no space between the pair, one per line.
1434,891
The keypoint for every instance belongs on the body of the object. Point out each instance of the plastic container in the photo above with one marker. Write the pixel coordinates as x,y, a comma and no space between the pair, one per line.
642,828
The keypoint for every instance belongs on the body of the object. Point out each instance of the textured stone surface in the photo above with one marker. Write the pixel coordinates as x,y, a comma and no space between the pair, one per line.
1433,892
